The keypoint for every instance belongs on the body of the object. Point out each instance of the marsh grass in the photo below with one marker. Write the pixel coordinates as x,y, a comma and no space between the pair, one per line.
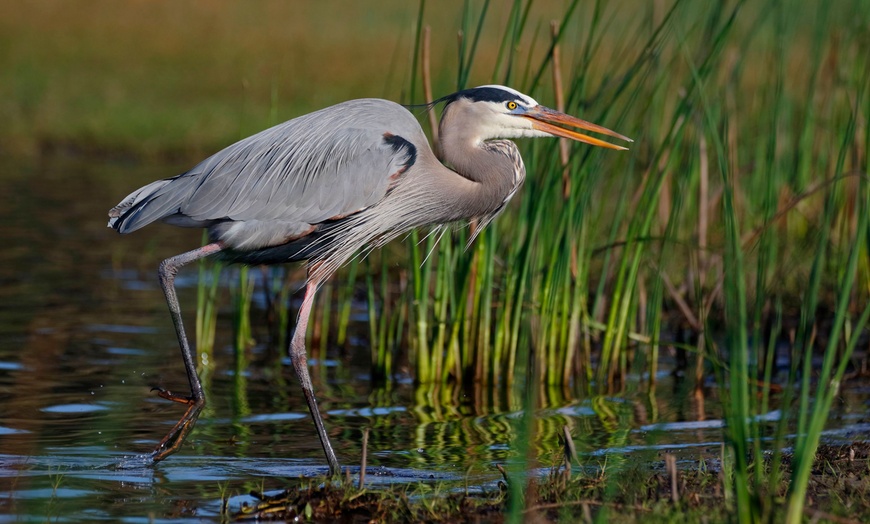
207,306
530,298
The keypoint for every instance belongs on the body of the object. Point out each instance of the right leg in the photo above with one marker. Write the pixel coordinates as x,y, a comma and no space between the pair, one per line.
168,269
300,363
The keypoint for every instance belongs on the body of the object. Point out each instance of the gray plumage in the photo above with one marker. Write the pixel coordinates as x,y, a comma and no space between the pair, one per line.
279,182
328,184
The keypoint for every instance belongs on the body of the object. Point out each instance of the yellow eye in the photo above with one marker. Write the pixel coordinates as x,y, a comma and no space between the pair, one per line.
511,105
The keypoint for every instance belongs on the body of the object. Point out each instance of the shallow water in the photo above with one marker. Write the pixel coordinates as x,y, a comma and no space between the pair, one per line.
85,335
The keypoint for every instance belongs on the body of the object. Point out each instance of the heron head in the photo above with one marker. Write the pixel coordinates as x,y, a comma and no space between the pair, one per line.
501,112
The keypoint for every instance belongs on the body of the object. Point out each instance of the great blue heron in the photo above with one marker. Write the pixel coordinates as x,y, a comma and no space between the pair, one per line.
324,185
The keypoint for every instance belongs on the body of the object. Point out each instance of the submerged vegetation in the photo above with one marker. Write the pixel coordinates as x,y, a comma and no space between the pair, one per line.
731,241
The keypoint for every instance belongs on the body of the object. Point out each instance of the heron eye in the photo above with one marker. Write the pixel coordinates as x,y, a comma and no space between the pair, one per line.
511,105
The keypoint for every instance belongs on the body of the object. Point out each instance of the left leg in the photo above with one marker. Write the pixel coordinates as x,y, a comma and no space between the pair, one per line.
195,402
300,364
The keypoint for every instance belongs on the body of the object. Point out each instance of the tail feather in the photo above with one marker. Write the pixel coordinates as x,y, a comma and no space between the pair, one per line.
120,216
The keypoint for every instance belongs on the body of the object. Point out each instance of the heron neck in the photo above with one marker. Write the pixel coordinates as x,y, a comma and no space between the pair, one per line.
495,169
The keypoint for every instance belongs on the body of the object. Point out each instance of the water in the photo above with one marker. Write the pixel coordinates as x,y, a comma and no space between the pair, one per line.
85,335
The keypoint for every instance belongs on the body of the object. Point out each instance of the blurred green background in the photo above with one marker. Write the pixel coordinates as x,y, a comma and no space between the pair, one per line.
158,77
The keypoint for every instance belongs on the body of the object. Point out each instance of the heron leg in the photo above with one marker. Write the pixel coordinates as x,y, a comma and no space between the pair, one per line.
195,402
300,364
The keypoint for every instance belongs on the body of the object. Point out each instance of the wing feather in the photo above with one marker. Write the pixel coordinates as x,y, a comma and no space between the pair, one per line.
330,163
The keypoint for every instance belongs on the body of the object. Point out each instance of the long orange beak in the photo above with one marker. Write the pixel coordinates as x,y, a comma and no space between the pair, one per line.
545,119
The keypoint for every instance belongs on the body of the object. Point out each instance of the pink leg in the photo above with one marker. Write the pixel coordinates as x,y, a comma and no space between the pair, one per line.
300,364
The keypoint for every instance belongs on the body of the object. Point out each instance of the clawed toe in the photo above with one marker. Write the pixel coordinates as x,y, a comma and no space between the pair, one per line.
168,395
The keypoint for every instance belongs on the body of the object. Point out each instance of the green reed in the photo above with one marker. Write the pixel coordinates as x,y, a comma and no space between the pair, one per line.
242,294
206,305
542,283
345,300
736,401
843,337
748,361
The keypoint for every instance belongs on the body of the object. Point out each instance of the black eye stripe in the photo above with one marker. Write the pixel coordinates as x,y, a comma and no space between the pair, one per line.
488,94
485,94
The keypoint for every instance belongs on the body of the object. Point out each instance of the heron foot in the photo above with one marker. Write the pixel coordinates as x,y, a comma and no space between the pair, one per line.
168,395
174,439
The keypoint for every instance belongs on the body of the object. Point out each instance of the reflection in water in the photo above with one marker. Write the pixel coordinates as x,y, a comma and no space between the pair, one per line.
85,335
